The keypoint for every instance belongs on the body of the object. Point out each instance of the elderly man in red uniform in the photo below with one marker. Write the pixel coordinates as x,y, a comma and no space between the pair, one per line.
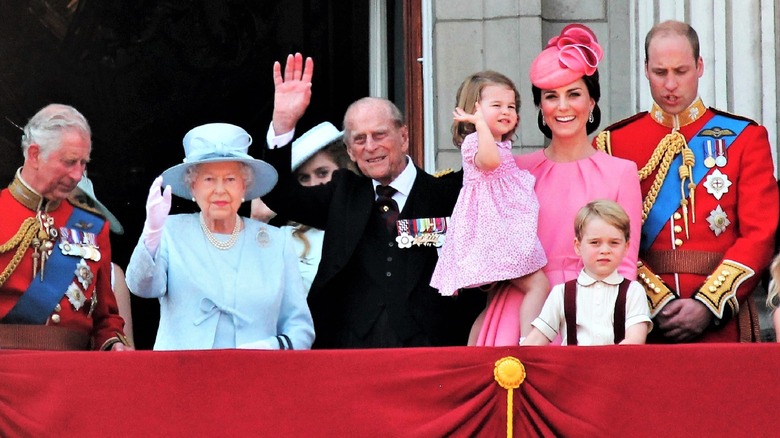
710,198
55,285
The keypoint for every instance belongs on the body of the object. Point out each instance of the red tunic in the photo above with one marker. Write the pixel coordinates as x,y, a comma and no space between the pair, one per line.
105,321
750,204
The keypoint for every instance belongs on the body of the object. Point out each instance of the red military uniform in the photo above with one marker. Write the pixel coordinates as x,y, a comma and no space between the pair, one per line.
714,248
90,309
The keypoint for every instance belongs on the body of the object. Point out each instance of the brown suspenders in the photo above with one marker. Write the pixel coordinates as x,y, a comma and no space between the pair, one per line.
570,311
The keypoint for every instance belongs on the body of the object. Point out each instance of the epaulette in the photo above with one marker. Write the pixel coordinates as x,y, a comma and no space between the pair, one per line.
621,123
78,202
733,116
441,173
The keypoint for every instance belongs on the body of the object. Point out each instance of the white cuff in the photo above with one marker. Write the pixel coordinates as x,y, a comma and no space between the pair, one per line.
274,141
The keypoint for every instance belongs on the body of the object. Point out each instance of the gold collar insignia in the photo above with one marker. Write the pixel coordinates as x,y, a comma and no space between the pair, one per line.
29,197
677,121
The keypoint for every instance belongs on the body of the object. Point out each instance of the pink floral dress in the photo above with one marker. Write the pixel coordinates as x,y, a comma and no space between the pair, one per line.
491,235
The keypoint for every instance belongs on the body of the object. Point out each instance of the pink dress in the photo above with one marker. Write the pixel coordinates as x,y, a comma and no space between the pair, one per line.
562,189
491,235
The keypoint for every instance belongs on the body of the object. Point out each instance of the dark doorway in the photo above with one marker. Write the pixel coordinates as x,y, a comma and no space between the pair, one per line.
144,72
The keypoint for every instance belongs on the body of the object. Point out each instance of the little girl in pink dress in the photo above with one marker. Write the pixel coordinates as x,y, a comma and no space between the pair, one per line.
491,235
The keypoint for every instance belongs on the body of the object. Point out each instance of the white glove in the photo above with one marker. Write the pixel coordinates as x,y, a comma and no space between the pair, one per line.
157,208
257,345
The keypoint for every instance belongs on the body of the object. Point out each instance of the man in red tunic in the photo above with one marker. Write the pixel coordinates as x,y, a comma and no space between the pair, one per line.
710,198
55,255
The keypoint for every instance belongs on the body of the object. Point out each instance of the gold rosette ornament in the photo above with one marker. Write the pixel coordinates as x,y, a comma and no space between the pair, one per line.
509,372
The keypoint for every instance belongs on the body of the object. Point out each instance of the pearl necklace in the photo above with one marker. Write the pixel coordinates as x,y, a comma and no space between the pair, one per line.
216,242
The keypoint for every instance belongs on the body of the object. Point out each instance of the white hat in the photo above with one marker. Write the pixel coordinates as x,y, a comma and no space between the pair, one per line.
85,186
219,142
312,141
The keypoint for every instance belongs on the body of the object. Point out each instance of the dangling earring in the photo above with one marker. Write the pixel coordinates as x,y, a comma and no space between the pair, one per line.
590,117
544,123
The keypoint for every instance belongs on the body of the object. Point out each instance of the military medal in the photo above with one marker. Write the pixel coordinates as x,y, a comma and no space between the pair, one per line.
84,274
710,160
404,240
79,243
75,296
421,232
720,146
717,184
718,221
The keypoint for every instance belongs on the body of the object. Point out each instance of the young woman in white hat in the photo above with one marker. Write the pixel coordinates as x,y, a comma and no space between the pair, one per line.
315,156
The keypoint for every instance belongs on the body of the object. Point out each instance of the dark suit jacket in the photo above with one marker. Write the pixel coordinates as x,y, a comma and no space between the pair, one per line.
342,208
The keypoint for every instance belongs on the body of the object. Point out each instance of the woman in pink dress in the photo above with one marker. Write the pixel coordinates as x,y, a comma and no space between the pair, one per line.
569,172
492,235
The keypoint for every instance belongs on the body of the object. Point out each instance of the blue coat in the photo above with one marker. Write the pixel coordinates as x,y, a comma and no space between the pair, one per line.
257,287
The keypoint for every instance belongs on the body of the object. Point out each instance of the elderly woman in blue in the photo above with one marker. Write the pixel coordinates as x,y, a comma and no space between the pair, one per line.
223,281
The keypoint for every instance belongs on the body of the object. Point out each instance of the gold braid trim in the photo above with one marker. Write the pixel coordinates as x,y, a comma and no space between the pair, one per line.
658,293
604,142
662,157
720,289
21,241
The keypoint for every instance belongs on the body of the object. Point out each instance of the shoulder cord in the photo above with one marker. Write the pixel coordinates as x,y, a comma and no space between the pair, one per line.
21,241
661,159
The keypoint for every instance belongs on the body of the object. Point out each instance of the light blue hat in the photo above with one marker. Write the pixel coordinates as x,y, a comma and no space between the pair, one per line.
86,188
218,142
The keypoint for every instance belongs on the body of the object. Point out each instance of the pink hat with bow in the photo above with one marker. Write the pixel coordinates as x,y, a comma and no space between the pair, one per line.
569,56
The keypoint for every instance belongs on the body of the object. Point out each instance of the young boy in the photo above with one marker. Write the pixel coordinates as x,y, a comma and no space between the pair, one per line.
599,296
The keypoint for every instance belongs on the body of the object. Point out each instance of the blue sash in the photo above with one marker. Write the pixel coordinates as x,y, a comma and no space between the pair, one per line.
40,298
669,197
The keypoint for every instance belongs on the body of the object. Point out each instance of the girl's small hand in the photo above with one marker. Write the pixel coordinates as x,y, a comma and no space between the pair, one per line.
462,116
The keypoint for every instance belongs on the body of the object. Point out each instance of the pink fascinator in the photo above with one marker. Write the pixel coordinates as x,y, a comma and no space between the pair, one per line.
569,56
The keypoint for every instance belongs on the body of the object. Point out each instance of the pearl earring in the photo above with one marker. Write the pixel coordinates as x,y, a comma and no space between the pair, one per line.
590,117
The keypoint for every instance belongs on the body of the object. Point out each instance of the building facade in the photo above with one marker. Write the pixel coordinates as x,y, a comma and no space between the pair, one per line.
739,45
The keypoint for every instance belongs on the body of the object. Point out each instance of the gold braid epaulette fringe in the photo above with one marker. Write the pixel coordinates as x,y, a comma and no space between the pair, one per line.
441,173
21,241
604,142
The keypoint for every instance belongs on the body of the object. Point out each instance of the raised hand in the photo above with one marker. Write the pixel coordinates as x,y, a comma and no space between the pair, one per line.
292,92
158,205
462,116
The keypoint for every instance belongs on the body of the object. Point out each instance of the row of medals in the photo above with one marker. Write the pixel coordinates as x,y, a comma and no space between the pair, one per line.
72,243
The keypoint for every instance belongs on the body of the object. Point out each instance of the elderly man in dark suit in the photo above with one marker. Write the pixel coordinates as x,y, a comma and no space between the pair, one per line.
369,290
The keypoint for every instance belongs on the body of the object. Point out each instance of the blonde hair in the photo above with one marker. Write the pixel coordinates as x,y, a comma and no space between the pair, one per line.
470,92
609,211
774,285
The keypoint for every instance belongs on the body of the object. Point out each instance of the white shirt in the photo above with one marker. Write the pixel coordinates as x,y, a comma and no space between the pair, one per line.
595,310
